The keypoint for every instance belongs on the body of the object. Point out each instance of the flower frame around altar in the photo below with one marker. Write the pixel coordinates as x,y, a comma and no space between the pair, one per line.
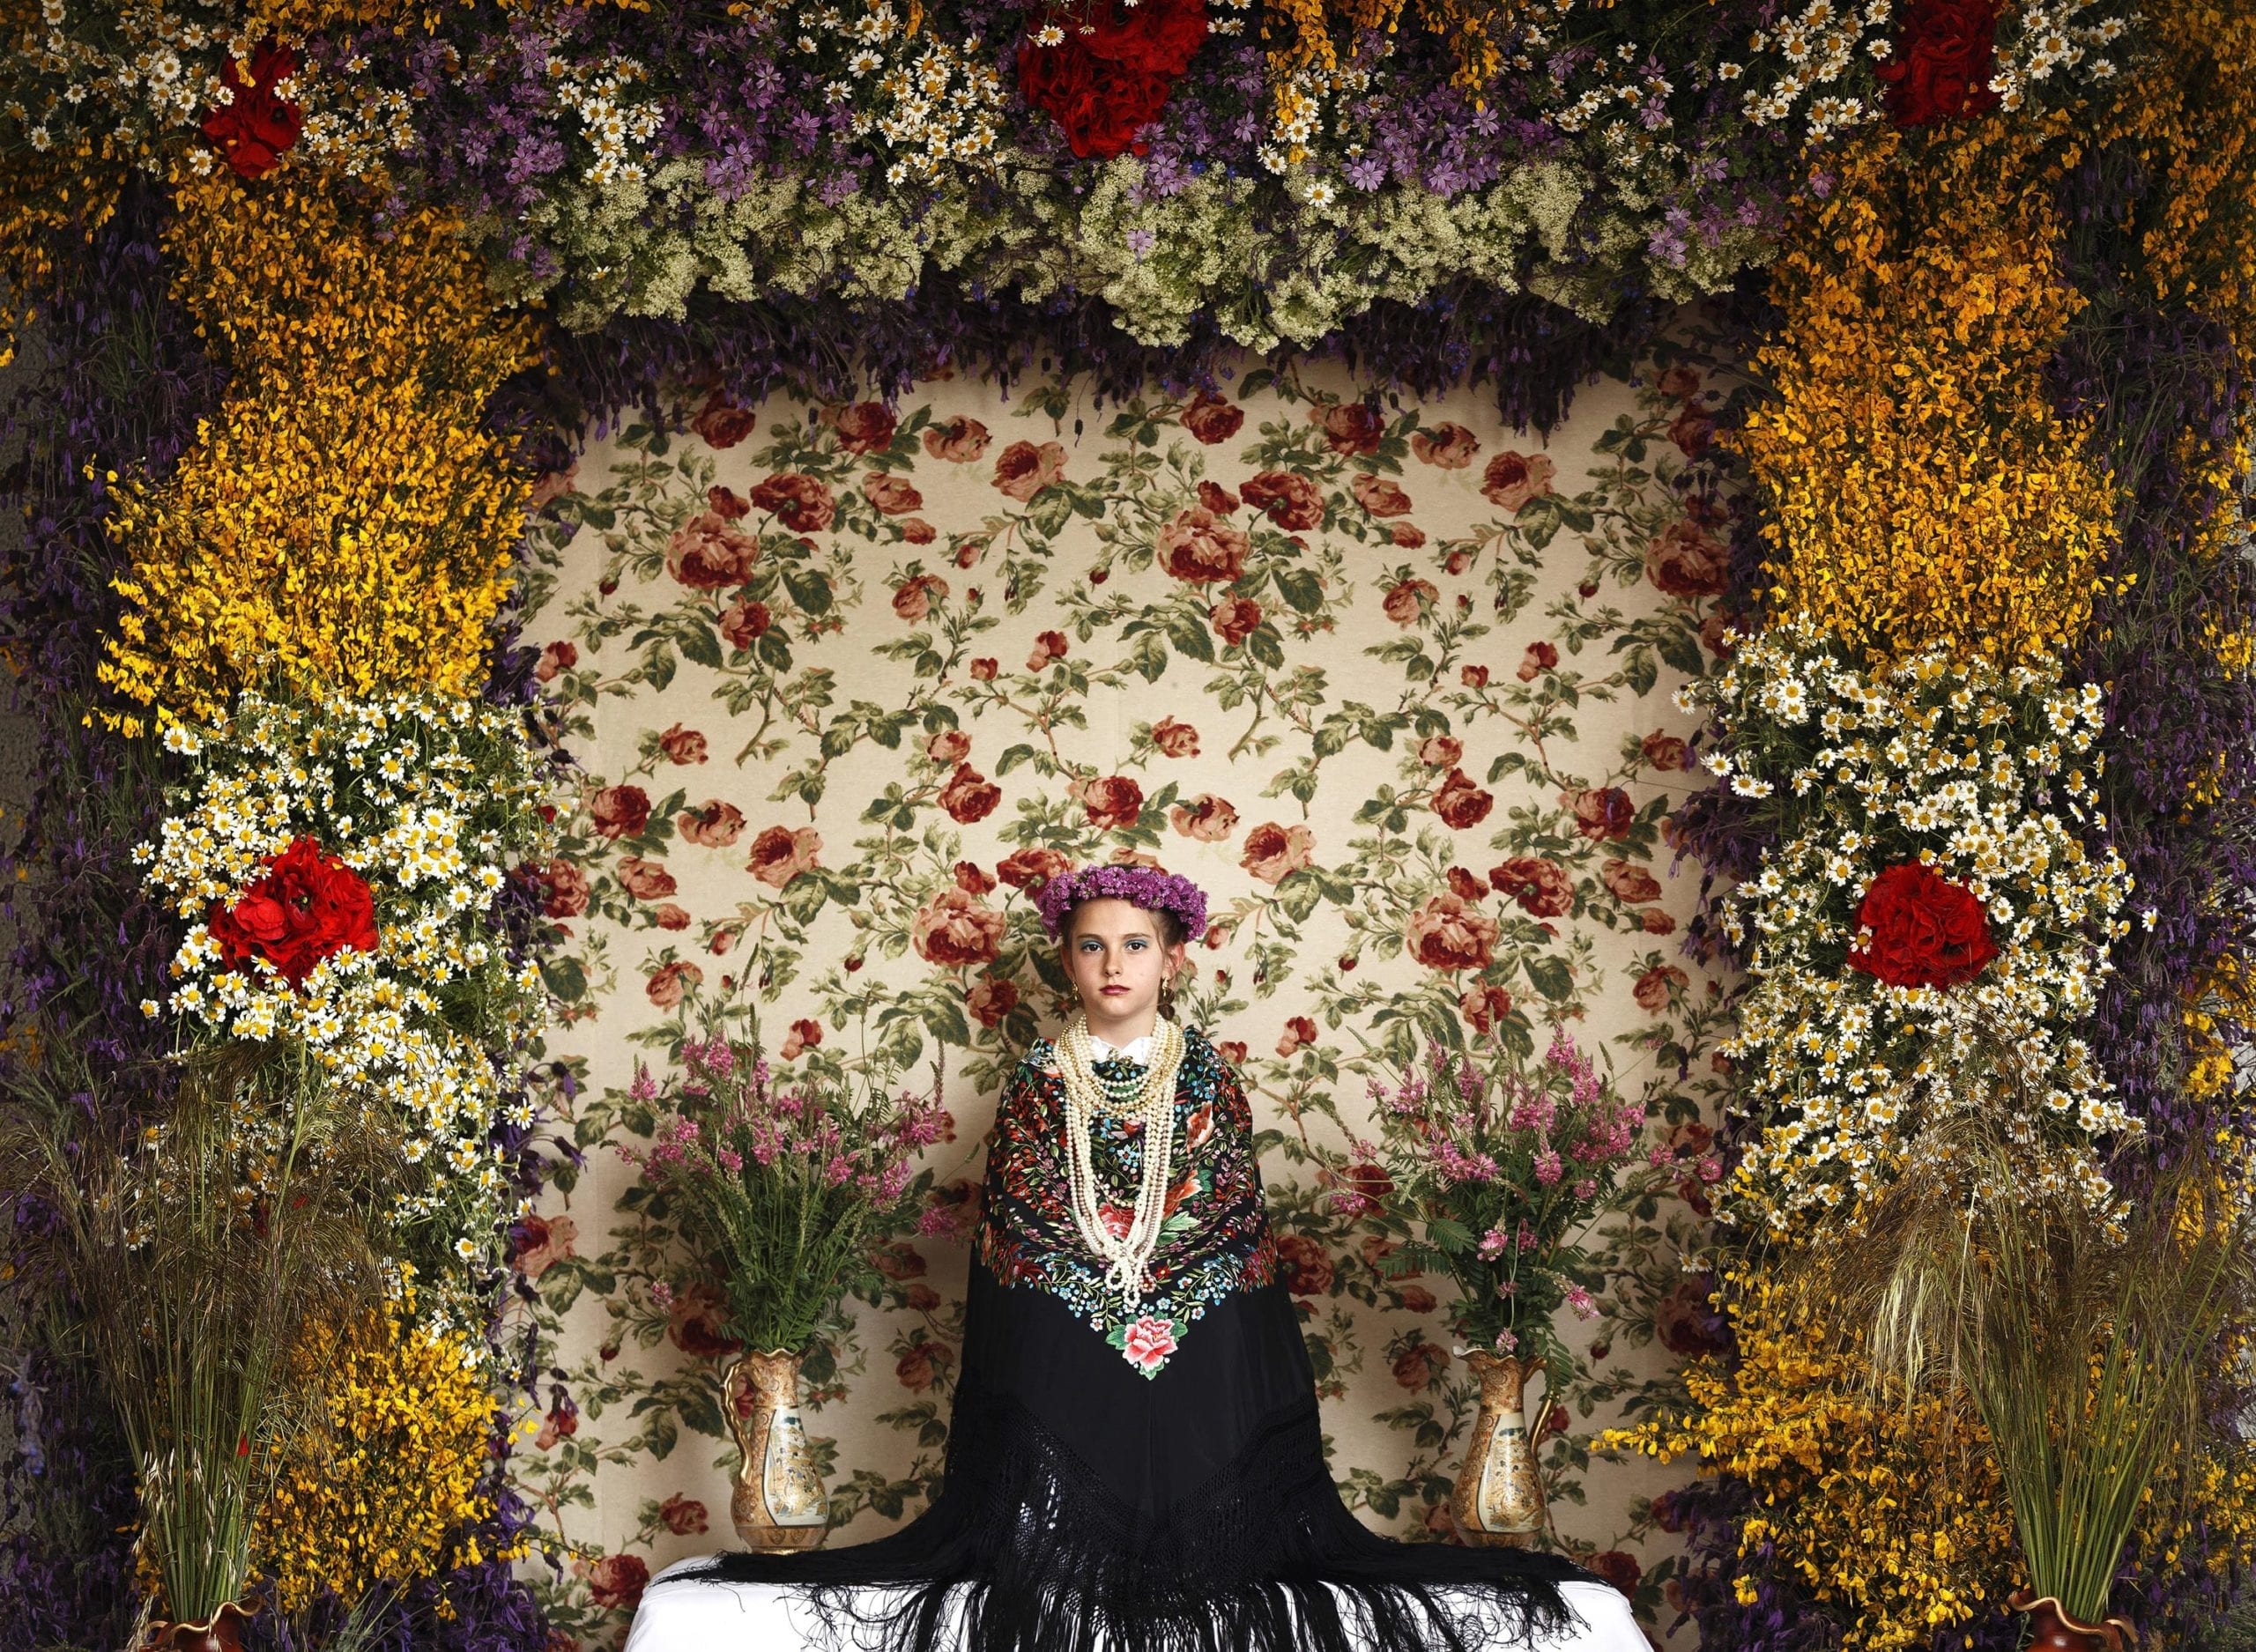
864,457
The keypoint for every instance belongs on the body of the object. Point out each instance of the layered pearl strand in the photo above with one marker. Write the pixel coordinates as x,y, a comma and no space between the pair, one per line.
1147,1099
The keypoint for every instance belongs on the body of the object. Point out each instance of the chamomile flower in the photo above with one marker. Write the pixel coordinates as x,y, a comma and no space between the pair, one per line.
424,801
1860,1074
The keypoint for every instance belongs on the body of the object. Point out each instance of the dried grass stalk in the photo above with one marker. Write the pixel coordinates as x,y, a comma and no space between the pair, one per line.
2084,1338
189,1258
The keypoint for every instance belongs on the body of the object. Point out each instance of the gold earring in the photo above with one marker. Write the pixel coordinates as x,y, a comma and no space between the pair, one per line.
1167,997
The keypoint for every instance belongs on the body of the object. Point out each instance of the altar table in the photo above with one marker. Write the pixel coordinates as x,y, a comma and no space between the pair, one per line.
682,1615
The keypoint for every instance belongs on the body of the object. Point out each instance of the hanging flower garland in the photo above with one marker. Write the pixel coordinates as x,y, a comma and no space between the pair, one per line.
1946,301
1152,155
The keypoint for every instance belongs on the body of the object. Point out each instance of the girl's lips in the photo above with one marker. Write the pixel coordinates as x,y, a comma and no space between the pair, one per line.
1109,992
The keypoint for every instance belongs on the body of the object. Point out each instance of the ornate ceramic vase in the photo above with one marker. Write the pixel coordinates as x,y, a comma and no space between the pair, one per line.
222,1631
1498,1498
2051,1630
780,1504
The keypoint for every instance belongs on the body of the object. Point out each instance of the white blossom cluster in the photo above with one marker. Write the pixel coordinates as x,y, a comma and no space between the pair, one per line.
1211,246
1813,70
2056,44
123,76
1988,779
142,69
152,56
427,799
352,126
1297,117
1806,64
932,102
619,127
946,105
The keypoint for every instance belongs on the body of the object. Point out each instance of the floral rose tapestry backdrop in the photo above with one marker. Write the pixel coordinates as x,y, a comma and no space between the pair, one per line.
847,682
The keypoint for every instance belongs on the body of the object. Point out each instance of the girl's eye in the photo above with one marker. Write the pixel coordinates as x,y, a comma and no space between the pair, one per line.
1136,946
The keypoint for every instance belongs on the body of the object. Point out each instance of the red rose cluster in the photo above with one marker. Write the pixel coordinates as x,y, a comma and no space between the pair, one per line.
1926,931
1112,72
1943,63
308,907
253,130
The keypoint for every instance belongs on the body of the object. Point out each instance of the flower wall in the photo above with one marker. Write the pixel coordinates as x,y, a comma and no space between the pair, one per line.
2004,439
186,341
845,682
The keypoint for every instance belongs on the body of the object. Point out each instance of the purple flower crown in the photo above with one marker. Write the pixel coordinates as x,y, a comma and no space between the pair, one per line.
1139,886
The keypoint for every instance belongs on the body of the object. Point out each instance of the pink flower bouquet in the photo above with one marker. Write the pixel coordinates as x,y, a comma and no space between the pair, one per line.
1494,1172
786,1190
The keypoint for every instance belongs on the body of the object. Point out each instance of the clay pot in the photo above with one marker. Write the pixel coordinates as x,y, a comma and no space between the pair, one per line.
779,1504
2053,1630
222,1631
1497,1501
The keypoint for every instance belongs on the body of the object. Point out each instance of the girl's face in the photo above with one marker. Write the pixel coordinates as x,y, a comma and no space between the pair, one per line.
1118,963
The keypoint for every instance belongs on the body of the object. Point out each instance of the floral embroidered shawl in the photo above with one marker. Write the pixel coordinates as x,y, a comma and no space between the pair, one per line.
1216,1237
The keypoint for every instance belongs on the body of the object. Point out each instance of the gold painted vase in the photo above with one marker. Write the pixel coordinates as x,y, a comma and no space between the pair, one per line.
1497,1501
779,1504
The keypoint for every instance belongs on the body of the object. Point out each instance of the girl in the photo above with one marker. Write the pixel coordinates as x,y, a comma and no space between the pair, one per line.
1135,1457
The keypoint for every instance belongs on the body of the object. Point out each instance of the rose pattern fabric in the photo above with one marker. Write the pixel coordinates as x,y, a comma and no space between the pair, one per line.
826,795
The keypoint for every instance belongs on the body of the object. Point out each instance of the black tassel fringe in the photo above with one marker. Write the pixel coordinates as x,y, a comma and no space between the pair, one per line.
1025,1551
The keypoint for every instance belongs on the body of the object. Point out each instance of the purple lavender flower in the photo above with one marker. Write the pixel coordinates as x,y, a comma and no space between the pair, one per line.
1139,886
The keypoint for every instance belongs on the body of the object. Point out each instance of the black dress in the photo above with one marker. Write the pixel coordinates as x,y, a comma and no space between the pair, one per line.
1154,1478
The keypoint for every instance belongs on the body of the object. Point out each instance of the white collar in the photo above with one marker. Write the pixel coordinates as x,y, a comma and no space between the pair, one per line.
1137,1049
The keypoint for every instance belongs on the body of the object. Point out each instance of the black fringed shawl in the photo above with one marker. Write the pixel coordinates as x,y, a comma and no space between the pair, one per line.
1153,1482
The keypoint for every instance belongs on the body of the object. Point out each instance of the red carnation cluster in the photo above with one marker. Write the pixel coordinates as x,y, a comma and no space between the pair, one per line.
1944,60
1926,931
1112,72
308,907
251,131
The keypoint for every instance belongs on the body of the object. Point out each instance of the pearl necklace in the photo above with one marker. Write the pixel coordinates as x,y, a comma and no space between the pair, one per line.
1123,1096
1128,1258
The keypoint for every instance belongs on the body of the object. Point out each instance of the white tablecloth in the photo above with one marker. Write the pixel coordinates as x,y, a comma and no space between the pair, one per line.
686,1615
